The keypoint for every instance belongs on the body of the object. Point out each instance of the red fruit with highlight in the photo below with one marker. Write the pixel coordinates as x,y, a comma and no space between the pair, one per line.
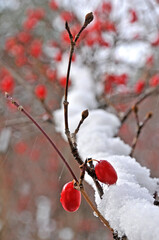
40,91
70,197
105,172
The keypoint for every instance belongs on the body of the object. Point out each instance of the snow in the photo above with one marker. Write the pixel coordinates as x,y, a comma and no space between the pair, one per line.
5,136
43,217
128,205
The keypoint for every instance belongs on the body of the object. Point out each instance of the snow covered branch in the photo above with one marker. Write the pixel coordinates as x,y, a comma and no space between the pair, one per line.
128,205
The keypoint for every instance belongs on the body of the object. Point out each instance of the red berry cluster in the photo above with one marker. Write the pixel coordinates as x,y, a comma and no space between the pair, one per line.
71,198
6,81
111,81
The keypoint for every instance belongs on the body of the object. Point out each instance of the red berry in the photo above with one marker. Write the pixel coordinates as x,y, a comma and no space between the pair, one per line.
51,74
20,61
36,48
154,81
109,26
20,147
53,5
30,23
9,43
70,197
105,172
139,86
40,91
150,61
24,37
67,16
65,37
107,7
17,50
58,57
39,13
7,84
133,16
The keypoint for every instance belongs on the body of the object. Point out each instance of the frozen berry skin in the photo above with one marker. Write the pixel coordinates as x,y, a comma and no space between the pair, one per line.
105,172
70,197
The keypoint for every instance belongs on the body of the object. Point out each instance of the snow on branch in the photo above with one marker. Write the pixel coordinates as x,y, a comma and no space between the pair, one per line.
128,205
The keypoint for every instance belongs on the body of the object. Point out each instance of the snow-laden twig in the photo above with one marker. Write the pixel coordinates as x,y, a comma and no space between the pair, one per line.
128,205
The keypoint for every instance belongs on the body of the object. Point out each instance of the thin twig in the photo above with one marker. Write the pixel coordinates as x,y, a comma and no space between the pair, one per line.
21,81
106,223
138,101
71,137
83,117
20,108
140,126
135,109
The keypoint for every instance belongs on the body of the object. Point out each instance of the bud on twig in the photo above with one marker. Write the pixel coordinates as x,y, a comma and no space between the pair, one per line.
85,114
149,115
135,108
88,19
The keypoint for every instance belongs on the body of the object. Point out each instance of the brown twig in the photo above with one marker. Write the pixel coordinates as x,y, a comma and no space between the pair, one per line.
83,117
21,81
71,137
138,101
106,223
135,109
83,170
140,126
20,108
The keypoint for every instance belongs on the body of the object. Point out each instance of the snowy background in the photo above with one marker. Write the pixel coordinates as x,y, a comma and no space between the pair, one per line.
31,175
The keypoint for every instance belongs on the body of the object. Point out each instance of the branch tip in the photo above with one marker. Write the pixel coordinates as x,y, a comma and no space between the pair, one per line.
88,19
85,114
149,115
66,25
135,108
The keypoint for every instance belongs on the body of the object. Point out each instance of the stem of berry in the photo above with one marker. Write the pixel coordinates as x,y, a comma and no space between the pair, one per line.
106,223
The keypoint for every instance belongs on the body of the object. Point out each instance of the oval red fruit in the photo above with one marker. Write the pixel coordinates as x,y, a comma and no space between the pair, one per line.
40,91
70,197
105,172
